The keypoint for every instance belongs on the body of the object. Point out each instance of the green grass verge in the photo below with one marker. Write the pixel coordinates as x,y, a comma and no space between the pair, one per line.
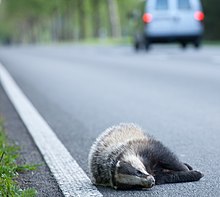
212,42
100,41
9,169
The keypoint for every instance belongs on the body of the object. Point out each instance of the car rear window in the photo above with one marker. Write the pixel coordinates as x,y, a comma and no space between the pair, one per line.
184,5
162,4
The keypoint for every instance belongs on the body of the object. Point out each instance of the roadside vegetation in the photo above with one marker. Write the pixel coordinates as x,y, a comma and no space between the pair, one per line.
10,170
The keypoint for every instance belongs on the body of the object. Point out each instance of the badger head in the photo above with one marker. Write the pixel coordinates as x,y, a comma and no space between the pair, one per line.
130,173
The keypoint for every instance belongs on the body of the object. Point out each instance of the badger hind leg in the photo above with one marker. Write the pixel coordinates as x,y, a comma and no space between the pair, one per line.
177,176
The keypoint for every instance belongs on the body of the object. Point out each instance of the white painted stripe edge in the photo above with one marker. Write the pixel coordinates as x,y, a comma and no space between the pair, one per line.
71,179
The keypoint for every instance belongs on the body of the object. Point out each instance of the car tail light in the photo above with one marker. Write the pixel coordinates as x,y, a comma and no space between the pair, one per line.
199,16
147,18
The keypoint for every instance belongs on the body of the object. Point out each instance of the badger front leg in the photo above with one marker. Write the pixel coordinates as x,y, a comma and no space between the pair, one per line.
166,159
177,176
174,165
171,170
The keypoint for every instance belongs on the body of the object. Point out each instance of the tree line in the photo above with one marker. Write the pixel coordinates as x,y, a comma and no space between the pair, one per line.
30,21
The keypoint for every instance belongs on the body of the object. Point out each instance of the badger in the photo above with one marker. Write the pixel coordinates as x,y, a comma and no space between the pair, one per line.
124,157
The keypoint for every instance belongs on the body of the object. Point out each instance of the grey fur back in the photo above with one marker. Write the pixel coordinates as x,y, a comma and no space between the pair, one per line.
106,149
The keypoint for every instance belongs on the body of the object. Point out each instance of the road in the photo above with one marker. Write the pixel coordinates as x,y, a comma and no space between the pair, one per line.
172,94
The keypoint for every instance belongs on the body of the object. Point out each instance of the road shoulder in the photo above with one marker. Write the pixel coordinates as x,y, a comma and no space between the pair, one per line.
42,179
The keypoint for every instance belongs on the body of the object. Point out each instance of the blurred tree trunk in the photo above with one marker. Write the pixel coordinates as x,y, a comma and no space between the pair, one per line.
66,28
114,18
96,18
82,19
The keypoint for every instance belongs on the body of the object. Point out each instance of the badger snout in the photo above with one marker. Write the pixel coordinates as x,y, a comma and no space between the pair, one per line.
148,181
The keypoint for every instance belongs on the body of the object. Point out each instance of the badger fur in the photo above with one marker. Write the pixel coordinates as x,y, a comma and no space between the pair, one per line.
123,157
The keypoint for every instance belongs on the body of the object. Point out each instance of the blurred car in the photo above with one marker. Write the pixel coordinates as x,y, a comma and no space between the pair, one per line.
170,21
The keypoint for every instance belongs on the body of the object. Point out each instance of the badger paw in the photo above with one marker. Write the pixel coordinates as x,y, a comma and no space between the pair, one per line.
196,175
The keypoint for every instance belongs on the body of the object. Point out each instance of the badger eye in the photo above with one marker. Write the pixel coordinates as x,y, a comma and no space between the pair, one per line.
138,173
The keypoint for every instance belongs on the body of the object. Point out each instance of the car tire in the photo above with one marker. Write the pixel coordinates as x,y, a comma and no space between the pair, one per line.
137,42
147,45
137,46
197,43
183,45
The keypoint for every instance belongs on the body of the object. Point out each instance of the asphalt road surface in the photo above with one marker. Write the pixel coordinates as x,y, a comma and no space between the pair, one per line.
172,94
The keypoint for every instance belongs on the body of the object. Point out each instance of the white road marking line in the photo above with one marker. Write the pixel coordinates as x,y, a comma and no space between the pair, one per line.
71,178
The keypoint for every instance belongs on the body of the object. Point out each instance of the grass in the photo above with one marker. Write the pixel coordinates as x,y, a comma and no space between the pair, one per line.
212,42
9,169
100,41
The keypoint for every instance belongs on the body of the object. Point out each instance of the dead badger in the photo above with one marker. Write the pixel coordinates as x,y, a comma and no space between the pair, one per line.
123,157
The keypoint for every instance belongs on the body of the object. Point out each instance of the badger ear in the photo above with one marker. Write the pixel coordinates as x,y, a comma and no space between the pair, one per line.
122,164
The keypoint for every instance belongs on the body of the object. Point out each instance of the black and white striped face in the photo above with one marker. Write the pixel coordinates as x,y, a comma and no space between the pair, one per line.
131,174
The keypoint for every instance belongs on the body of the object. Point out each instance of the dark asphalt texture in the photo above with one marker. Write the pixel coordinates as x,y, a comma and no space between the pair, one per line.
174,95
